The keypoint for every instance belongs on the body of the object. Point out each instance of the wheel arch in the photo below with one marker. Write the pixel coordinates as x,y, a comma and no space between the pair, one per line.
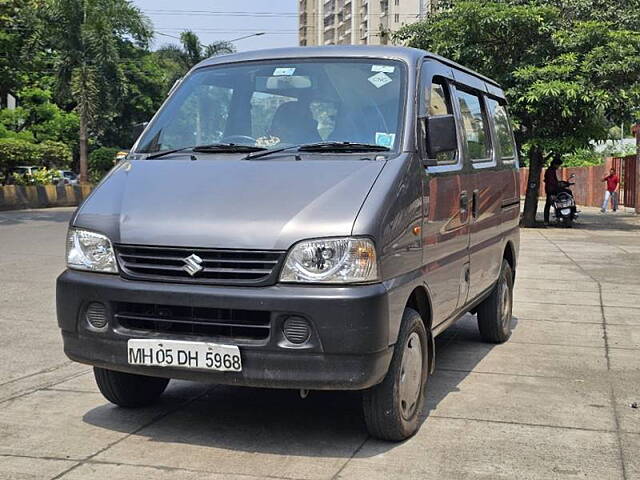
510,256
420,301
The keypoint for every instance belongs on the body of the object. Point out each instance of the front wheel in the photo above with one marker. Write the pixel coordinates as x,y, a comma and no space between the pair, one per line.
568,221
128,389
392,408
495,312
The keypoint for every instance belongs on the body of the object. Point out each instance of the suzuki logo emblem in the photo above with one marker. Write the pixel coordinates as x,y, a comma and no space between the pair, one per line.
193,264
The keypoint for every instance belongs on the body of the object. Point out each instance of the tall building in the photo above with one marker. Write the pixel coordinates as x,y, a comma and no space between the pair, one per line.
336,22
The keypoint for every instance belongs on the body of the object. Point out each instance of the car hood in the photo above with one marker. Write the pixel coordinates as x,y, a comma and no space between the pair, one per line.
225,202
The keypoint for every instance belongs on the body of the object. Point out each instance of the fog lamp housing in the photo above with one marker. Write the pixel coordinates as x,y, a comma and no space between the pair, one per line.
96,315
296,330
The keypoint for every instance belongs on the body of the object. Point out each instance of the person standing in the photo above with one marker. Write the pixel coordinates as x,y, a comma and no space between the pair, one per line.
551,187
613,182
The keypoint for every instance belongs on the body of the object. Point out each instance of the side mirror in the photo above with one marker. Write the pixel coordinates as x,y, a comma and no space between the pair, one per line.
441,135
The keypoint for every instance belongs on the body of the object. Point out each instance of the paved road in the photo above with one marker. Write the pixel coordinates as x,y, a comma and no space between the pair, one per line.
553,402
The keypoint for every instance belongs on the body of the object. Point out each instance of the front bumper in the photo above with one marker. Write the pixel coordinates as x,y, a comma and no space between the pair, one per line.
348,348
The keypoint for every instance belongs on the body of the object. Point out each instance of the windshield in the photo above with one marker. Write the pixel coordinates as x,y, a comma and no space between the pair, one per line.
274,104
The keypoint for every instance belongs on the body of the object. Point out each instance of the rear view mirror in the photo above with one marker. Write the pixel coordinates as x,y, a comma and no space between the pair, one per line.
441,135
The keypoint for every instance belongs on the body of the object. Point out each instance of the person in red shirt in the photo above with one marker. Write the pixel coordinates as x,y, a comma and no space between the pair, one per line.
613,182
551,186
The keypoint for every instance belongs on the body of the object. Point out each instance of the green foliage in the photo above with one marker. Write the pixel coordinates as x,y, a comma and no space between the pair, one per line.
15,152
54,154
178,60
39,119
42,176
583,157
102,159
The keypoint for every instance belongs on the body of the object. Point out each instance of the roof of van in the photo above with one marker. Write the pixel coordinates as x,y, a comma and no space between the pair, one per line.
410,55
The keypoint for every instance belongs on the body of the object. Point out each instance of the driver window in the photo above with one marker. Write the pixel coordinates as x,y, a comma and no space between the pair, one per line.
440,104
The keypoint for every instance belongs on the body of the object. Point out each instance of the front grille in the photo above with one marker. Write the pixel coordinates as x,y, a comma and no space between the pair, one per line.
219,267
200,321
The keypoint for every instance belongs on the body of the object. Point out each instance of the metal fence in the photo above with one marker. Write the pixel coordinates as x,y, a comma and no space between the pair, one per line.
627,168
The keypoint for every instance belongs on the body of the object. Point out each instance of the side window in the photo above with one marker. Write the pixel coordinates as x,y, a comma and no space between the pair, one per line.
503,130
440,104
475,125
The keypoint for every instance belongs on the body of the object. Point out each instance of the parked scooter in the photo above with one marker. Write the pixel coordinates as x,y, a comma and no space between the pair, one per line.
564,204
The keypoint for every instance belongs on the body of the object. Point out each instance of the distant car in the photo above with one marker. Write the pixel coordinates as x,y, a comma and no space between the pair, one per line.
121,155
67,177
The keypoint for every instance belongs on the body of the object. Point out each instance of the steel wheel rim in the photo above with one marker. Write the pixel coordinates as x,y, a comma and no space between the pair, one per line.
410,375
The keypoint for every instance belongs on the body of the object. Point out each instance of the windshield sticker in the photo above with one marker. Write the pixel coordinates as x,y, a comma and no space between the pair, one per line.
283,71
385,139
383,68
380,79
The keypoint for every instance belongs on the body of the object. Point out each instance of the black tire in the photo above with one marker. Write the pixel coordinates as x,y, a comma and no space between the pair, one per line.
127,389
568,222
495,312
386,414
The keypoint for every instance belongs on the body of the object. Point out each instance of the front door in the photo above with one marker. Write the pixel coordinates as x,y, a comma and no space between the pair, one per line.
447,197
485,244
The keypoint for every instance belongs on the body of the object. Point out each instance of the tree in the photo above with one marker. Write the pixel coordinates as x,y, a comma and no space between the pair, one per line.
87,36
17,25
567,78
147,86
190,53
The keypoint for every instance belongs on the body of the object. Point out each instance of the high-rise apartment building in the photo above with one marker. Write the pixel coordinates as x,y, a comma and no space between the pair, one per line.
335,22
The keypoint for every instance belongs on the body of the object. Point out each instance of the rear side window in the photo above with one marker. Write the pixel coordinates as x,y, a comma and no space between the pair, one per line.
475,128
503,130
440,104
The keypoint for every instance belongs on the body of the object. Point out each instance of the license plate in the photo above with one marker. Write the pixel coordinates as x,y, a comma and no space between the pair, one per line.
191,355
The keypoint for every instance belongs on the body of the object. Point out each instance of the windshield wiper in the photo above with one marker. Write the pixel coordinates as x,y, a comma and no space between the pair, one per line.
343,147
324,147
213,147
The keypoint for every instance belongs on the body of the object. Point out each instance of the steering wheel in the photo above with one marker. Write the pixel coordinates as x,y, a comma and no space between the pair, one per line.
242,139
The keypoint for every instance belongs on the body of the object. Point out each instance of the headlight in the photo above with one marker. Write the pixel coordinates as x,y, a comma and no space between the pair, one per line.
331,260
88,250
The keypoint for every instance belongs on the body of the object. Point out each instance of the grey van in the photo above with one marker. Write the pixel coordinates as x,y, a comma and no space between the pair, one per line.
303,218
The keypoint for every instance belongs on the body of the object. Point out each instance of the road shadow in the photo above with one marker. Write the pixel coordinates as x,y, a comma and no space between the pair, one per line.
19,217
325,424
625,222
593,220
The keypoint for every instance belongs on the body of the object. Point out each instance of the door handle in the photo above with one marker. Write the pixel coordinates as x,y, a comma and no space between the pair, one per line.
474,204
464,202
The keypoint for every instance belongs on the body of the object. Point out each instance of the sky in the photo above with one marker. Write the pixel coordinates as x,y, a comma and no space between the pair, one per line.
225,20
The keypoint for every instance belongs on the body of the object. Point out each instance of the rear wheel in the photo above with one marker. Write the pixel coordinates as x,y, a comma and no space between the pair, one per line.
392,408
128,389
495,312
